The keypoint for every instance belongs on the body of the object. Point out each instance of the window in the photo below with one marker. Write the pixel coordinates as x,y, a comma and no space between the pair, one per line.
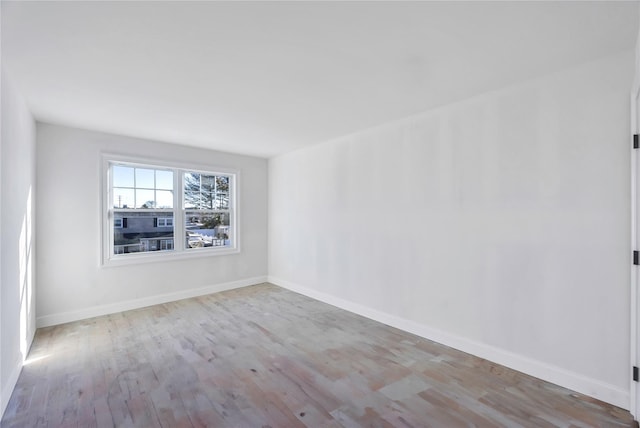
166,244
148,207
165,222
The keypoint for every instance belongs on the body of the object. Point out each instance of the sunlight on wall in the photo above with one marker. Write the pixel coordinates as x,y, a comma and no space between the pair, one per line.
25,245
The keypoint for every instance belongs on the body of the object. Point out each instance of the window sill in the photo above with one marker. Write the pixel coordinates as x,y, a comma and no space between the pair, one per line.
165,256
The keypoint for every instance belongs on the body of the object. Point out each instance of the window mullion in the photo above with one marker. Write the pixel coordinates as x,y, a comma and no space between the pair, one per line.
155,189
178,206
110,216
135,189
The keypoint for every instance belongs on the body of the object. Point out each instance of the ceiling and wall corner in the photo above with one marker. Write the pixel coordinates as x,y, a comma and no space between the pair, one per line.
274,79
263,78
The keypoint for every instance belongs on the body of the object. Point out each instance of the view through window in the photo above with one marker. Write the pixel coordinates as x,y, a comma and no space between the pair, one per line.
151,207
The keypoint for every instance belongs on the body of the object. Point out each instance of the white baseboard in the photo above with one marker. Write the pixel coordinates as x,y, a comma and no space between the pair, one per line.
7,389
556,375
9,386
96,311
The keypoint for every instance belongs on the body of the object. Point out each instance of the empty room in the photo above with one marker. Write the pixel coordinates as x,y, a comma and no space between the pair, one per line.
319,213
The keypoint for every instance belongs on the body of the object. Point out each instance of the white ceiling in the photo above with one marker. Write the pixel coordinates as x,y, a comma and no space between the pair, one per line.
264,78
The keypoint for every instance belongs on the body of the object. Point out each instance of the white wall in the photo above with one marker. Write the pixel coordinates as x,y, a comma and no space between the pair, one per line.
73,285
498,225
17,250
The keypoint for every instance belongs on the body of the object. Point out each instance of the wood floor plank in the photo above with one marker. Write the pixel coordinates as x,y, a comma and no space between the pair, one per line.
263,356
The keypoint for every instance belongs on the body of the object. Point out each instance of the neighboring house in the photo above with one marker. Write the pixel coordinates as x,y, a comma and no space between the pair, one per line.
143,231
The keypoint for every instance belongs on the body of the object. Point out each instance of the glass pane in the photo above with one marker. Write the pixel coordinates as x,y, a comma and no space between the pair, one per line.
140,232
222,184
123,198
191,200
122,176
208,183
222,201
164,180
145,199
191,190
145,178
207,230
206,192
164,199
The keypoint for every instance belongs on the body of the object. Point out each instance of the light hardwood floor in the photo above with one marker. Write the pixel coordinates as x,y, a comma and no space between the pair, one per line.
263,356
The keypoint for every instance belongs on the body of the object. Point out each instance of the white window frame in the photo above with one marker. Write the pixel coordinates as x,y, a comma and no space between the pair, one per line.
179,251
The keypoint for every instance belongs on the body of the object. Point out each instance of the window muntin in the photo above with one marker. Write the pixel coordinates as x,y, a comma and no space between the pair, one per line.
152,205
